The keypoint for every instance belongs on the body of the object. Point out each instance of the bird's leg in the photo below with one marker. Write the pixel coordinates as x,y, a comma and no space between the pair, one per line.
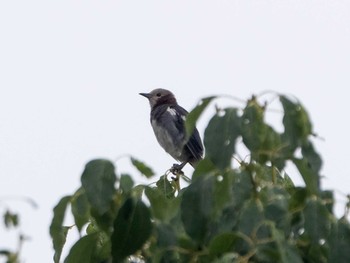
177,168
177,171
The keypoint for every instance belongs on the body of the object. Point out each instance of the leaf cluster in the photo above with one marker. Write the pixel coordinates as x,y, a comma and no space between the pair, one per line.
11,221
252,213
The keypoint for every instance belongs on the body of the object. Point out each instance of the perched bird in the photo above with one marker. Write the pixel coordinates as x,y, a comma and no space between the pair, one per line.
168,123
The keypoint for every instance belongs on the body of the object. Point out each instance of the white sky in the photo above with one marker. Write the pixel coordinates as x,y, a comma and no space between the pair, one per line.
71,71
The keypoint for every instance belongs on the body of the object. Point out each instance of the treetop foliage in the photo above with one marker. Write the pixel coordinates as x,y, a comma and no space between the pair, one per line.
252,213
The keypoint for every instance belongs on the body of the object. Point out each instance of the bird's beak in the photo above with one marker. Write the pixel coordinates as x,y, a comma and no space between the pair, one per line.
147,95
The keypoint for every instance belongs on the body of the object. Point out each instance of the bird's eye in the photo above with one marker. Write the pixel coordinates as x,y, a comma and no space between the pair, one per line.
158,94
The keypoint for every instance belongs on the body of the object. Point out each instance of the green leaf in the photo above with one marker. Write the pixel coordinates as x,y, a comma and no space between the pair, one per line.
92,227
310,178
126,183
105,221
196,207
271,149
193,116
220,137
165,186
297,125
10,219
251,217
298,199
103,247
98,180
242,188
83,250
132,228
297,202
142,167
204,167
80,209
227,220
317,220
138,190
162,207
328,200
222,191
253,126
287,181
285,252
57,231
166,240
313,158
317,252
227,242
166,237
275,201
261,139
339,242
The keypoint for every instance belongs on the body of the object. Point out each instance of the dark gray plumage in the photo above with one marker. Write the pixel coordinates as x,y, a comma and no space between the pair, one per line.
168,123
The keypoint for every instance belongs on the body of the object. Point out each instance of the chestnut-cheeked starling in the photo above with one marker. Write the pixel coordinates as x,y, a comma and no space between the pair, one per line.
168,123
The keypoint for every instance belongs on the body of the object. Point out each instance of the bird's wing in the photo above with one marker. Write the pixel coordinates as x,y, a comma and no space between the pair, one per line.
169,128
194,143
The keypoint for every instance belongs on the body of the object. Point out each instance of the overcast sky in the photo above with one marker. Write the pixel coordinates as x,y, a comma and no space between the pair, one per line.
71,71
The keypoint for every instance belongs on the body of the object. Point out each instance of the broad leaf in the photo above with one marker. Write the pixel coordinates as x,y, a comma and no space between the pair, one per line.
313,158
166,240
165,186
297,125
251,218
10,219
196,207
222,191
298,199
253,127
193,116
328,200
228,242
204,167
260,138
220,137
279,250
162,207
339,242
98,180
275,200
80,208
166,237
126,183
142,167
242,188
83,251
132,228
317,221
57,231
103,247
310,177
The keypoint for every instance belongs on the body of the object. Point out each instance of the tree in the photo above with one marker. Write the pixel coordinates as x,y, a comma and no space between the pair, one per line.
249,213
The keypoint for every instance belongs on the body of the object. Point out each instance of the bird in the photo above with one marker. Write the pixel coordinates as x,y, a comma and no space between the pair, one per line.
168,123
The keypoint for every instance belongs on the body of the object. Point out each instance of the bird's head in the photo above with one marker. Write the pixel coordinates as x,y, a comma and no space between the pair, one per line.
159,97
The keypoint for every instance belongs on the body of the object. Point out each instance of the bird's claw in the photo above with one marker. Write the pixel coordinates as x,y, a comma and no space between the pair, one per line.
176,170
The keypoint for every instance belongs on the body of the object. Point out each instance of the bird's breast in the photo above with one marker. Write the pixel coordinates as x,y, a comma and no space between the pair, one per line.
166,140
